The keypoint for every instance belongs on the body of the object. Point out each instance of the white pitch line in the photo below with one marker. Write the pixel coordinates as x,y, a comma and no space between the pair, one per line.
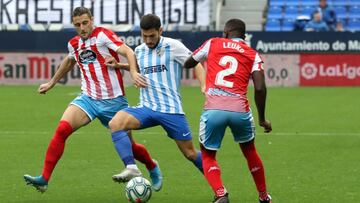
81,132
311,134
163,132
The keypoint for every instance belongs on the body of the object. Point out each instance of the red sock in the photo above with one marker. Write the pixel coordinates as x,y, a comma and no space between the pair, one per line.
141,154
56,148
255,166
212,171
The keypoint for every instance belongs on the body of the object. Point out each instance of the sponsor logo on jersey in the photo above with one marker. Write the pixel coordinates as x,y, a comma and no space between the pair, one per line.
87,56
154,69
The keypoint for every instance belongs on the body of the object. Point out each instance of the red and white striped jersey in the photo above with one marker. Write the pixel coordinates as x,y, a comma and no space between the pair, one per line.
230,64
97,80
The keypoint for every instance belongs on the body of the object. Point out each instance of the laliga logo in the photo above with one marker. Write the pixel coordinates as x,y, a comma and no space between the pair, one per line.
309,71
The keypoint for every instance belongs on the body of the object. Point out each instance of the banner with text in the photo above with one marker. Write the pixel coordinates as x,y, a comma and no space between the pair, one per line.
304,42
330,70
180,12
35,68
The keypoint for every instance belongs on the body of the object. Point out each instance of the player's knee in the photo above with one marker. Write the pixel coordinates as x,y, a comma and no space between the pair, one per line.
190,155
115,125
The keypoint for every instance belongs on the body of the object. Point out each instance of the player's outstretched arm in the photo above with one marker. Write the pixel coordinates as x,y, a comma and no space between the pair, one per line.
66,65
260,99
127,52
111,62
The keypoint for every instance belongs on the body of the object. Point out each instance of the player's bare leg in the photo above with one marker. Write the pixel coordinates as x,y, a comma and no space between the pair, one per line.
188,150
72,119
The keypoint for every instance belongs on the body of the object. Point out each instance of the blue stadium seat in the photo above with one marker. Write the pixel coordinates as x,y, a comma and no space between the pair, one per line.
292,3
354,3
24,27
136,28
354,12
275,12
341,12
275,9
353,25
307,10
273,25
340,3
277,2
309,2
291,12
288,25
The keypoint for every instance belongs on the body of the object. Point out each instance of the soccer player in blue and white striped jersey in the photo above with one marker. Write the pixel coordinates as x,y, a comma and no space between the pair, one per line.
160,63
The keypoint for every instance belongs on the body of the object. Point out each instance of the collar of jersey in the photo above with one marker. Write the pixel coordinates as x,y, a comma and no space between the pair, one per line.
160,43
237,39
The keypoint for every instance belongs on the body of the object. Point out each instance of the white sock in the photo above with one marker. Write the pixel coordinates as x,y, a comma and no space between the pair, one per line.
132,166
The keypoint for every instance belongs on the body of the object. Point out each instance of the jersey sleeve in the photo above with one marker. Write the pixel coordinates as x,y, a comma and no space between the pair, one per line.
110,39
180,51
201,53
71,51
258,63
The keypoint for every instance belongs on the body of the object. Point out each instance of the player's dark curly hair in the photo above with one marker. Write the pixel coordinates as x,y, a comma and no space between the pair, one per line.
79,11
235,28
150,21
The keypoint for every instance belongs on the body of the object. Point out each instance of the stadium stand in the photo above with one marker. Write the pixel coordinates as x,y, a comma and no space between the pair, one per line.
248,10
280,13
267,15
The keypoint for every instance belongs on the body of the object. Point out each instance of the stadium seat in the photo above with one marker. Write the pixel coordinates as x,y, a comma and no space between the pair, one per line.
121,28
277,2
273,25
68,28
186,27
288,25
12,27
353,25
136,28
275,12
275,9
291,13
307,10
309,2
354,3
340,3
55,27
292,3
354,12
37,27
341,12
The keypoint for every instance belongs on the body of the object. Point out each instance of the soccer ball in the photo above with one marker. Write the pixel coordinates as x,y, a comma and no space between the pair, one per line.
138,190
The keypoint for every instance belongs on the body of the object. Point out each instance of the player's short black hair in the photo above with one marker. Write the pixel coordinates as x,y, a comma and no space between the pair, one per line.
79,11
150,21
235,27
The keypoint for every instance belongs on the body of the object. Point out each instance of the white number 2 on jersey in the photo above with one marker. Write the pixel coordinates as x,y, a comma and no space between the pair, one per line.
231,70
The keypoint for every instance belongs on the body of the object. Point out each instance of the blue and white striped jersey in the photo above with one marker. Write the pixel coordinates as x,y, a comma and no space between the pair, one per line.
162,67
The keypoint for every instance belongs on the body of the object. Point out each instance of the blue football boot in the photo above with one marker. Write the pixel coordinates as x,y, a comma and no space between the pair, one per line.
38,182
156,177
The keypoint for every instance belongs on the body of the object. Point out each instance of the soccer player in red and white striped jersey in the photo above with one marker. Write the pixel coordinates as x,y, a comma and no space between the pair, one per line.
102,95
231,64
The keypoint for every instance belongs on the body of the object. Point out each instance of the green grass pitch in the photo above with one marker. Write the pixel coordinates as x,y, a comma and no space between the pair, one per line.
312,155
